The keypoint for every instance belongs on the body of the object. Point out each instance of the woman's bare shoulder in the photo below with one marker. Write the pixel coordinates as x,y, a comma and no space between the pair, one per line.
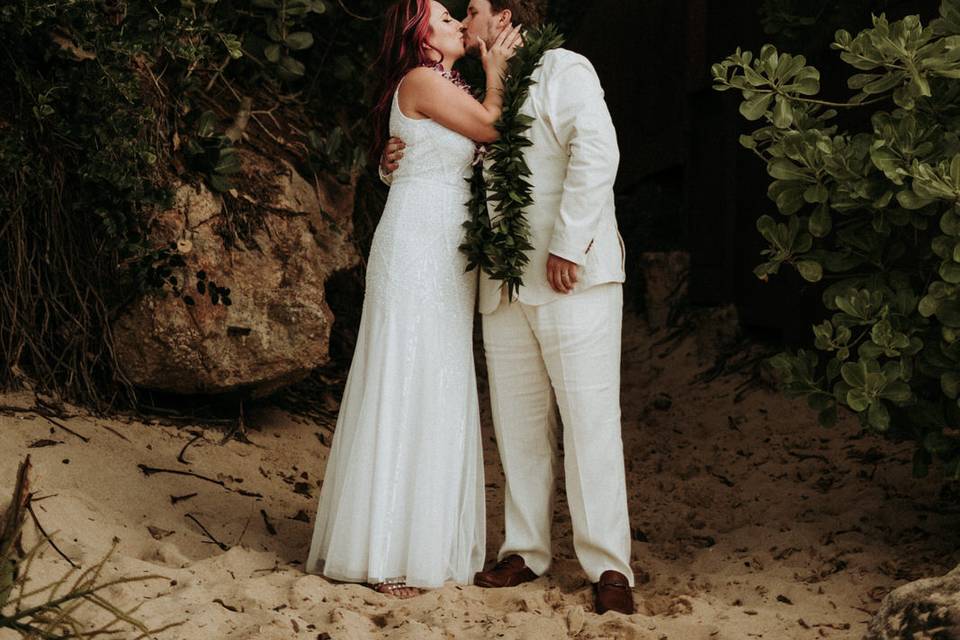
421,83
422,76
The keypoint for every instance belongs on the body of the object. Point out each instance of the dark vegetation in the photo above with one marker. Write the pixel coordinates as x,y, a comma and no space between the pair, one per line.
103,104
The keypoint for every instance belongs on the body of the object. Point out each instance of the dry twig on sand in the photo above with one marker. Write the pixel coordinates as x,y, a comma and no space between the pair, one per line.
149,471
43,612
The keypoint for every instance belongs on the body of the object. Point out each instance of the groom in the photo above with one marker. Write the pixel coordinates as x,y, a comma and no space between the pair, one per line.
558,342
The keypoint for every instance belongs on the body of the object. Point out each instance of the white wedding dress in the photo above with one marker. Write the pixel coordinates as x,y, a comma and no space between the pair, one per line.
403,492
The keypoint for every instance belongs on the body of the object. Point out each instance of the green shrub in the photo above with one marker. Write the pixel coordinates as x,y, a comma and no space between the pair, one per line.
873,214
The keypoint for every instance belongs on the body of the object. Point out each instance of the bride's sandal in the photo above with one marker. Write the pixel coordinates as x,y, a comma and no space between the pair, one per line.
397,588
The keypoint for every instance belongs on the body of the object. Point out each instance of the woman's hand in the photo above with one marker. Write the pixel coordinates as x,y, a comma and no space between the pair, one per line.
495,59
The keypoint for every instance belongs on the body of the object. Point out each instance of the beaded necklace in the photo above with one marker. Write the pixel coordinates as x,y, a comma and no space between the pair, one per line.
452,75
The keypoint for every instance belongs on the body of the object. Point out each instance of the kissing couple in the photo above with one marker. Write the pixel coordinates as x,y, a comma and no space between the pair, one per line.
402,503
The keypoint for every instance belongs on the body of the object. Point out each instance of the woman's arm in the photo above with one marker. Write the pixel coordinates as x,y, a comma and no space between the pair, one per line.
425,93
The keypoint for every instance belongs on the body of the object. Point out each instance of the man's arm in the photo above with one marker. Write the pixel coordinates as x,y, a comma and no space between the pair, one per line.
390,159
582,124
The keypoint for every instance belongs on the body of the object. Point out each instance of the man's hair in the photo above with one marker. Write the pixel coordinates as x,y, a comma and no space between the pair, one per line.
529,13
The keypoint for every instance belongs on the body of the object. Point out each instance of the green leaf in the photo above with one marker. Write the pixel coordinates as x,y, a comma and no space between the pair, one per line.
788,195
950,272
878,416
291,66
950,384
755,107
299,40
807,82
854,374
921,85
950,225
860,80
897,391
810,271
910,200
928,306
890,163
766,226
766,269
821,223
272,53
949,313
885,83
782,113
206,125
273,30
857,400
816,194
783,169
232,43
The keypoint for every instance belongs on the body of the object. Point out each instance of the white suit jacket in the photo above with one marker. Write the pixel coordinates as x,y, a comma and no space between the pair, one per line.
573,161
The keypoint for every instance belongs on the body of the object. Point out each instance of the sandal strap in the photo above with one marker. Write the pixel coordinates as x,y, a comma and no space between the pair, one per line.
391,584
398,580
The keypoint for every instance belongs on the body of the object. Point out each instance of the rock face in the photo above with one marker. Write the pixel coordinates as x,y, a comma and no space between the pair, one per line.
277,325
665,278
927,609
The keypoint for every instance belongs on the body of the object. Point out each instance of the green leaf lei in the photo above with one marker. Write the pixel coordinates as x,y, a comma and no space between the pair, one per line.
499,246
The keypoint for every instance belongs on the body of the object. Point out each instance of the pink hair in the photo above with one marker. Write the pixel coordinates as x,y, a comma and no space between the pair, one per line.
407,27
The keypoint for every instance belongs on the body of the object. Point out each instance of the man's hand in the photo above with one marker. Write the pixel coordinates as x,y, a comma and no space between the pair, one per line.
390,159
561,274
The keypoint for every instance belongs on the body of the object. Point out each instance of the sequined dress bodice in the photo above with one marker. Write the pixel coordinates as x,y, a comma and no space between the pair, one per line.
433,154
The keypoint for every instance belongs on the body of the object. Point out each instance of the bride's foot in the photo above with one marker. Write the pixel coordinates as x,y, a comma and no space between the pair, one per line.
397,589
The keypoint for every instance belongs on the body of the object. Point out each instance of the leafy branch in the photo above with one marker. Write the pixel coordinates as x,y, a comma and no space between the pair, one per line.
876,212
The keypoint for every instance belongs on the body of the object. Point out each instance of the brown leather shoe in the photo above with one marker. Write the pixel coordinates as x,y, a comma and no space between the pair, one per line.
509,572
613,593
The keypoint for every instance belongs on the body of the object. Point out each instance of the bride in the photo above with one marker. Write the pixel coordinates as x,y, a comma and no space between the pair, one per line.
402,504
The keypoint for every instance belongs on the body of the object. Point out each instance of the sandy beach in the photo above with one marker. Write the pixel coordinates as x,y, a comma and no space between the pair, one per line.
749,520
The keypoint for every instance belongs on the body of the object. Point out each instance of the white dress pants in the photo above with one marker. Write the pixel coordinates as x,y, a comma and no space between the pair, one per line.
565,352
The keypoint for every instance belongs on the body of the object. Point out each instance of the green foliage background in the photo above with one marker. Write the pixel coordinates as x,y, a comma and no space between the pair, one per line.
102,104
874,215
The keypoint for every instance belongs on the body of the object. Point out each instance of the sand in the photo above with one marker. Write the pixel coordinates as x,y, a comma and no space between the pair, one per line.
749,520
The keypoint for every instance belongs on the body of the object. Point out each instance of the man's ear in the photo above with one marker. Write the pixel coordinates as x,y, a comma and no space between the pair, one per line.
505,19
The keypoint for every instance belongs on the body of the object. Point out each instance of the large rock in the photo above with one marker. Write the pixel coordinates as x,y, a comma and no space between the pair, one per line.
927,609
277,327
666,276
